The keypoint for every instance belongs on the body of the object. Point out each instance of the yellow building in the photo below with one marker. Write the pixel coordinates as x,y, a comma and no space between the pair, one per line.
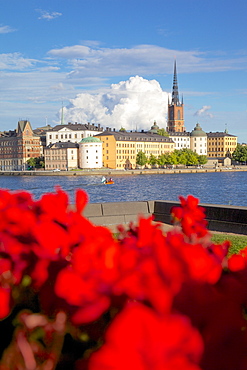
120,148
221,144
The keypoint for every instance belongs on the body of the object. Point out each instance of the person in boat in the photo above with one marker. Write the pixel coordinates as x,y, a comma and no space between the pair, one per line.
103,179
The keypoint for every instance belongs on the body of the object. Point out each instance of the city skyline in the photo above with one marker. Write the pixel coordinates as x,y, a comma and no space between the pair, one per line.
111,62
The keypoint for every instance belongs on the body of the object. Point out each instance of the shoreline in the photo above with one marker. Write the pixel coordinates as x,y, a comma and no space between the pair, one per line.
113,172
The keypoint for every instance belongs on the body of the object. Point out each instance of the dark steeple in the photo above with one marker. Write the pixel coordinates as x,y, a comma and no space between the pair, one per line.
175,95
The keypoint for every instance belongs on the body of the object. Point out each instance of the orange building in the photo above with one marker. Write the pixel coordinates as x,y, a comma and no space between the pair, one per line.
17,146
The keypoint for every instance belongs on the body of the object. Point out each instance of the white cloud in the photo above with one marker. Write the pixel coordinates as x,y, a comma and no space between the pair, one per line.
204,111
6,29
48,16
15,61
135,103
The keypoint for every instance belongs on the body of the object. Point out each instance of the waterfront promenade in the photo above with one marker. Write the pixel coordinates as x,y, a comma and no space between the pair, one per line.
113,172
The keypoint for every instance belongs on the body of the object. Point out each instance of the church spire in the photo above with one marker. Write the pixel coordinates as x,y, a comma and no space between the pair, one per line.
175,95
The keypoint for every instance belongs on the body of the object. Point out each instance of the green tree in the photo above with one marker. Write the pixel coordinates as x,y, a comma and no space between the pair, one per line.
31,162
152,160
141,158
162,159
37,162
202,159
122,129
172,158
162,132
240,153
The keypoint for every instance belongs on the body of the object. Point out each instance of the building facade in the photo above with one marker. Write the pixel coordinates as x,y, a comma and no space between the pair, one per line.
61,156
175,122
121,148
181,140
198,140
221,144
72,132
90,153
17,146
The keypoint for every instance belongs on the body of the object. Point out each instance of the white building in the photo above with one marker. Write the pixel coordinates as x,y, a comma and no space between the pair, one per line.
198,140
181,140
72,132
90,153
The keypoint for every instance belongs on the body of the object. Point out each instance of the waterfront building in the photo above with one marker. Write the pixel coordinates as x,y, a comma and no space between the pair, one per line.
120,148
175,122
181,139
17,146
41,132
198,140
221,144
61,156
72,132
90,153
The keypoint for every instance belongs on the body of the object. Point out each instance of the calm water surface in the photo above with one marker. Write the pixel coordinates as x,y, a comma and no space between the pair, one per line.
213,188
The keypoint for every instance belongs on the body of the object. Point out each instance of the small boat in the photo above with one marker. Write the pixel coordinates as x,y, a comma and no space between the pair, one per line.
106,181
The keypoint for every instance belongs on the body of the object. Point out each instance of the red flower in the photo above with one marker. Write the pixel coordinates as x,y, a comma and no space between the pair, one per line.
190,216
87,282
140,339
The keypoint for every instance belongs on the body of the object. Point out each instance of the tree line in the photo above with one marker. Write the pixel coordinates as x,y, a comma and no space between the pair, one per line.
183,156
240,153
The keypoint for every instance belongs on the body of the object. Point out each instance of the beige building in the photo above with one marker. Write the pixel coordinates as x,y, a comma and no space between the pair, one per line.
17,146
120,148
61,156
221,144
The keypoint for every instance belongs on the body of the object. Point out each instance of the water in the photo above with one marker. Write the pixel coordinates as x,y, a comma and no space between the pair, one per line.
213,188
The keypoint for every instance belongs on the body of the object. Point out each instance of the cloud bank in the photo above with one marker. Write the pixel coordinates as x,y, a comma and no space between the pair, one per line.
132,104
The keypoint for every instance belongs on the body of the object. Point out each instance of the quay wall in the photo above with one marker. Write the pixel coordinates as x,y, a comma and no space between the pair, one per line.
221,218
112,172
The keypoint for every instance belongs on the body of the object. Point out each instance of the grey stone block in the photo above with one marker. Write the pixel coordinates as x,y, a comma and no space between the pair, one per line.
93,209
124,208
108,220
151,206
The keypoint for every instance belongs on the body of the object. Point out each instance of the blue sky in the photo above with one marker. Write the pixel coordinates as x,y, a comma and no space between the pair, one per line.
69,53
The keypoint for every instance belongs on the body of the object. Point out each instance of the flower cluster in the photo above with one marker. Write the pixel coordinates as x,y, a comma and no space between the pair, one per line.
142,300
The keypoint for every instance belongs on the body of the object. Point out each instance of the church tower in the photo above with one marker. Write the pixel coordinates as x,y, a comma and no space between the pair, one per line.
175,121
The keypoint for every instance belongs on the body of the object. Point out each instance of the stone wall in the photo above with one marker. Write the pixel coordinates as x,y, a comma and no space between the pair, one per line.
221,218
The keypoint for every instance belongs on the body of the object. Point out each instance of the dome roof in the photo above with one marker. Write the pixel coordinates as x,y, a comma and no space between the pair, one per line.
90,139
154,128
197,131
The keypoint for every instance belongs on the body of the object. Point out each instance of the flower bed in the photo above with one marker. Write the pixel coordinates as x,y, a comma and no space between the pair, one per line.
73,296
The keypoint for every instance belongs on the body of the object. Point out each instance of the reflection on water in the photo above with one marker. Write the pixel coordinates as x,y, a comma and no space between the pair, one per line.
214,188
